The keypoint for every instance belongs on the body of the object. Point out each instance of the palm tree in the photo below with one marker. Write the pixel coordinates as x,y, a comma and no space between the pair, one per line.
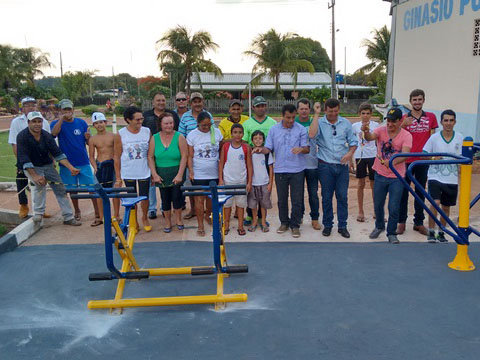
188,50
31,61
276,53
377,51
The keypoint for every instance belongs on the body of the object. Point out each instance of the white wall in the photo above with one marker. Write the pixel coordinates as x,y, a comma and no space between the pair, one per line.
433,52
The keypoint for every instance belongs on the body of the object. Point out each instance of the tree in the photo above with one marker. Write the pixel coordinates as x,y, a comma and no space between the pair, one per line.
377,51
188,50
275,53
78,83
10,74
315,53
31,62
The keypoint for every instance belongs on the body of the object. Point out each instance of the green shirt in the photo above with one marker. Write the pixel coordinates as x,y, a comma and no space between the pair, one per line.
304,123
252,124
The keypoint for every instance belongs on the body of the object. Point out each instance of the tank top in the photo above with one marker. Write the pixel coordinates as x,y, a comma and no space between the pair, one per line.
235,169
167,156
134,159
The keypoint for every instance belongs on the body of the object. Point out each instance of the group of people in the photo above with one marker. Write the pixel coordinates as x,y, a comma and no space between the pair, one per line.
165,149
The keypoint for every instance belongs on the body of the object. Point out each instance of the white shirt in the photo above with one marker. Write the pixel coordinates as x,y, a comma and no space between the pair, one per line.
205,154
260,175
18,124
366,149
235,168
134,159
446,174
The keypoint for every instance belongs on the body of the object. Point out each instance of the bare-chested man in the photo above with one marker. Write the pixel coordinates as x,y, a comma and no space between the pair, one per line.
103,167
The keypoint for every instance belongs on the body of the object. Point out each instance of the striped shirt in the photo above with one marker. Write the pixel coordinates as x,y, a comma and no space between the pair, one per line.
188,123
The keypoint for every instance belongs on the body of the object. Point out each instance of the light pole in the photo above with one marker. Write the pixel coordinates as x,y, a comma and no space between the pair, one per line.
333,83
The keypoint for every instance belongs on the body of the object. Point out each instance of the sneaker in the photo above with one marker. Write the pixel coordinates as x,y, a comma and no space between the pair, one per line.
23,212
431,237
392,239
282,229
344,232
72,222
152,214
327,231
441,237
296,232
376,233
37,218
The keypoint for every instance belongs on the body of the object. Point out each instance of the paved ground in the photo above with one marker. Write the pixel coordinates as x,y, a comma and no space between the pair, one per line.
306,301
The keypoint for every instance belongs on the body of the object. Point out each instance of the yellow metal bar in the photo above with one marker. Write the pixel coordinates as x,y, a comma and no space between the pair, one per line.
169,271
464,197
166,301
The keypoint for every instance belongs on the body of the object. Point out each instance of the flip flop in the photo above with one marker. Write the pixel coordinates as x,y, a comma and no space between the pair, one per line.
96,222
78,216
252,228
241,232
189,216
200,232
265,228
361,218
226,231
180,227
167,230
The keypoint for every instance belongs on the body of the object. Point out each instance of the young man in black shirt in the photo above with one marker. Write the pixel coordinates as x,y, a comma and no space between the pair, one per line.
36,149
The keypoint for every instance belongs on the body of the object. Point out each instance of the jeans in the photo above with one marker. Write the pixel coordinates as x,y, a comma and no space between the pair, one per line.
420,174
152,199
393,187
22,185
334,178
295,182
39,193
311,177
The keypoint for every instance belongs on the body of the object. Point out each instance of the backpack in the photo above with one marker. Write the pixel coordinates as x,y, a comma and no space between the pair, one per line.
226,146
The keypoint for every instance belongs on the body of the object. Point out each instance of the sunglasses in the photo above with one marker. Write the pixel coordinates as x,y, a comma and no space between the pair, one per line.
181,99
334,130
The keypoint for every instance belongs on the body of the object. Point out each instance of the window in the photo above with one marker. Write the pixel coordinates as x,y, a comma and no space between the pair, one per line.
476,38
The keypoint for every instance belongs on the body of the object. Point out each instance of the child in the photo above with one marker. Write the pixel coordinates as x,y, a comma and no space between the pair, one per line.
103,165
262,183
235,168
364,155
443,179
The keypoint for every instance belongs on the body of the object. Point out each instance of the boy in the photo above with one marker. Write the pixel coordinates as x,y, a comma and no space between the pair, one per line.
364,156
235,168
103,166
443,179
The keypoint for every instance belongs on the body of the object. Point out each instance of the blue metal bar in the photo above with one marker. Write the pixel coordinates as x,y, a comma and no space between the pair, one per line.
460,237
472,230
474,201
216,232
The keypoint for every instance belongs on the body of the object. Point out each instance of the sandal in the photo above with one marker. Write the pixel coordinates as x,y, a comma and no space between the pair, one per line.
200,232
78,216
265,228
96,222
167,230
360,218
208,219
226,231
241,232
252,228
180,227
189,216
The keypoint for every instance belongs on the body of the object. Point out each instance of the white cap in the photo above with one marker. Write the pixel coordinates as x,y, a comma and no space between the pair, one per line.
34,115
98,116
28,99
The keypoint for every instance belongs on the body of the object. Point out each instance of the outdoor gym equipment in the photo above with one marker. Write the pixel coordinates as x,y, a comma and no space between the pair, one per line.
124,240
461,232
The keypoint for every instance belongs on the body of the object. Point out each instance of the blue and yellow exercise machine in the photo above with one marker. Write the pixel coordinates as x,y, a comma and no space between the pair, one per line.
124,239
461,232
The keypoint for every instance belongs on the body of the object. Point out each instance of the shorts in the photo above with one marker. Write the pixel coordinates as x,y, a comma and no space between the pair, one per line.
143,186
169,195
240,200
446,193
259,195
106,173
203,182
362,166
84,178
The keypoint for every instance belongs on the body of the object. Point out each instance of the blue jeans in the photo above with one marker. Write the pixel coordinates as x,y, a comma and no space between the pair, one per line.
152,199
420,174
334,178
394,188
311,177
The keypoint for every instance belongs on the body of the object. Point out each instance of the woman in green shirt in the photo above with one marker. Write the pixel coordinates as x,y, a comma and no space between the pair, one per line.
167,161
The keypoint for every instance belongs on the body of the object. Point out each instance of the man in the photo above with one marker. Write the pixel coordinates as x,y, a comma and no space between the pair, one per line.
188,123
181,103
391,139
73,135
289,141
311,163
17,125
259,120
336,143
36,151
235,108
159,103
443,179
421,125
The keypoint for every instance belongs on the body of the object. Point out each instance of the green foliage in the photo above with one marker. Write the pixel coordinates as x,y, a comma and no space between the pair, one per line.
7,102
3,229
377,51
313,51
379,95
317,94
77,84
90,109
119,110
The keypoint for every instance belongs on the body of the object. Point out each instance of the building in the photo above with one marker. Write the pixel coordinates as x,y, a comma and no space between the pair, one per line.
435,46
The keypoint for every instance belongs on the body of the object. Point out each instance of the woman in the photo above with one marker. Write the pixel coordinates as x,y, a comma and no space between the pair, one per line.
131,147
203,155
168,160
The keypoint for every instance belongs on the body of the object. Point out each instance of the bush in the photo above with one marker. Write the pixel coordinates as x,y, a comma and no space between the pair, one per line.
90,109
119,110
7,102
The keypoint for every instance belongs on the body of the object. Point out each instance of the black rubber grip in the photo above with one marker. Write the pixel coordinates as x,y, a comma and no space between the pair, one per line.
96,196
123,196
195,193
100,276
116,190
137,275
235,269
203,271
231,187
233,193
194,187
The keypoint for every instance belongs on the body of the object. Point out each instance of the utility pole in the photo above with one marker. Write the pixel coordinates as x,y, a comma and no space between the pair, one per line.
333,84
61,65
345,79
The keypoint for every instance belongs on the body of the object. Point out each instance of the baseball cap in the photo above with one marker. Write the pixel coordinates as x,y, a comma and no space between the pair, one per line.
196,95
394,114
235,102
98,116
66,104
34,115
27,99
259,100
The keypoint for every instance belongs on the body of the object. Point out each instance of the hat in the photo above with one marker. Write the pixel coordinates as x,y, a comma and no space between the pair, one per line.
394,114
27,99
34,115
235,102
196,95
98,116
66,104
259,100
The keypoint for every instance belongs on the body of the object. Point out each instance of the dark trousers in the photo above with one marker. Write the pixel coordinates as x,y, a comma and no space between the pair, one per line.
382,187
22,184
420,174
292,182
311,176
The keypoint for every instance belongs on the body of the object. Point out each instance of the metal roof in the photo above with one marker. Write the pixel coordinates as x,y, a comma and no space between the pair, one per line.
318,78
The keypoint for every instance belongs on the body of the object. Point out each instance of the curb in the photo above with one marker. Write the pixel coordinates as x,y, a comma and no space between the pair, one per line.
19,235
